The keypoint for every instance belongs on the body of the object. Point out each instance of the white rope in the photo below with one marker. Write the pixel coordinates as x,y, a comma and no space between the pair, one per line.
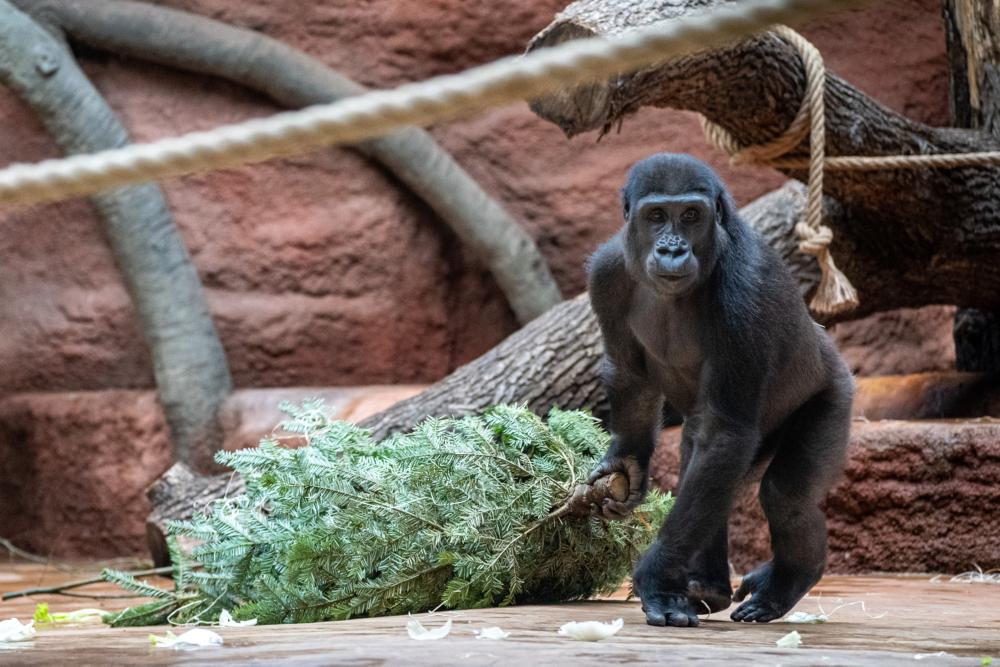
376,113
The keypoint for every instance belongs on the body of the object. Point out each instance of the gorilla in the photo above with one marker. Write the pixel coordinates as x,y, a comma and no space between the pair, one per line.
697,311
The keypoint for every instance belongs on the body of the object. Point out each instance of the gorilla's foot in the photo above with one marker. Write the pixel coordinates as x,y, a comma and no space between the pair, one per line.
708,597
672,610
773,593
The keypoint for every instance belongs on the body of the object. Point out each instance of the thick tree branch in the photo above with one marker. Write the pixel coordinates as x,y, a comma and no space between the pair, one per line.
189,364
903,238
293,79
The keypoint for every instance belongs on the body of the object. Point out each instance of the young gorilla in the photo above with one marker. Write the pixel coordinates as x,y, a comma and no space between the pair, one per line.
697,309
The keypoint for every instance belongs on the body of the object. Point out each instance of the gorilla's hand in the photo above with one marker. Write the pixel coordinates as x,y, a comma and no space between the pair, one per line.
638,483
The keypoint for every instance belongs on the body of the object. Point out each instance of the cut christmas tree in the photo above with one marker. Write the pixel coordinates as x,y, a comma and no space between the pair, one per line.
459,513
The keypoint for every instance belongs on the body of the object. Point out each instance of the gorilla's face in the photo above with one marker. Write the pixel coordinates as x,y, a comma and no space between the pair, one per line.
667,233
675,210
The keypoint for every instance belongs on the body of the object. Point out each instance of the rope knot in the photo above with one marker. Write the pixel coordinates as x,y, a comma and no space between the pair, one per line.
813,240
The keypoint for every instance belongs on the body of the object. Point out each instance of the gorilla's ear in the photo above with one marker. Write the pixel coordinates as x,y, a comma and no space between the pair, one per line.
625,204
724,208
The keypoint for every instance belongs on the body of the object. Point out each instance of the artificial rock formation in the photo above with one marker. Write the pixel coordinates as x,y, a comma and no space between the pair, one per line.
917,496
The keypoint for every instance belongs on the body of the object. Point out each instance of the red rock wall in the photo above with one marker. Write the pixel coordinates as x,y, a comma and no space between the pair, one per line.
320,269
914,497
74,469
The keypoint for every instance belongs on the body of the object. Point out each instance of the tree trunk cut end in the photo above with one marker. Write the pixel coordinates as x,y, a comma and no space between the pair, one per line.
586,496
580,108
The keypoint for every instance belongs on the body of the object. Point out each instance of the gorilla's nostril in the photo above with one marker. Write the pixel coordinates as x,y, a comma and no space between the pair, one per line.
663,250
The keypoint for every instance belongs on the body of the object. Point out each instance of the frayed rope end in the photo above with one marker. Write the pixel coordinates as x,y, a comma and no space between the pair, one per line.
835,294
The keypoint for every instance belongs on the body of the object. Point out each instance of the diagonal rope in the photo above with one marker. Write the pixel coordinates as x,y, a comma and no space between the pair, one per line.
377,113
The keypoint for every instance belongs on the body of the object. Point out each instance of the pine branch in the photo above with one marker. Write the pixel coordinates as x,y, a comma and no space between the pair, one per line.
61,588
467,512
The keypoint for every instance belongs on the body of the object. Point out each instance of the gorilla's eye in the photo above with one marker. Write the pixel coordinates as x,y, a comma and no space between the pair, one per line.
656,215
689,215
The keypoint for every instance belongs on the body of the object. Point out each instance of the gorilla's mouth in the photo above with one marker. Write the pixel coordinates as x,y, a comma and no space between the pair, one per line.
671,277
671,274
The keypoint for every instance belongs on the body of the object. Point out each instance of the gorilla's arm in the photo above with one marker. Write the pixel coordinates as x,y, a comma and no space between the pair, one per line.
636,406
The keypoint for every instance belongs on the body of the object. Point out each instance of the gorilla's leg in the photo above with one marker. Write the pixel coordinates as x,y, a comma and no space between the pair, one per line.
709,589
721,460
810,452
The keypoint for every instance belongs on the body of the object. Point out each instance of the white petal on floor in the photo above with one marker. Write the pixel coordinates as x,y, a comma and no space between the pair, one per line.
792,640
491,633
226,621
803,617
590,631
13,630
194,638
418,631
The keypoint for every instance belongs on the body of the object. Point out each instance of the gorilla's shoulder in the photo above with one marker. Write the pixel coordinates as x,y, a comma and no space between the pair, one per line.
608,279
608,261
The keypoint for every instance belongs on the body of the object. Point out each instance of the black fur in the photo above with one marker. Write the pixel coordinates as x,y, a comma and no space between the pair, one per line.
696,309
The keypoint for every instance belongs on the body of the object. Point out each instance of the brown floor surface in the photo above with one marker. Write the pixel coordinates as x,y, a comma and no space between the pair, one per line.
902,617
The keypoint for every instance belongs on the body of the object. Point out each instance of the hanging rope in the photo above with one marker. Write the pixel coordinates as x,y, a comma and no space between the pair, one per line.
835,294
